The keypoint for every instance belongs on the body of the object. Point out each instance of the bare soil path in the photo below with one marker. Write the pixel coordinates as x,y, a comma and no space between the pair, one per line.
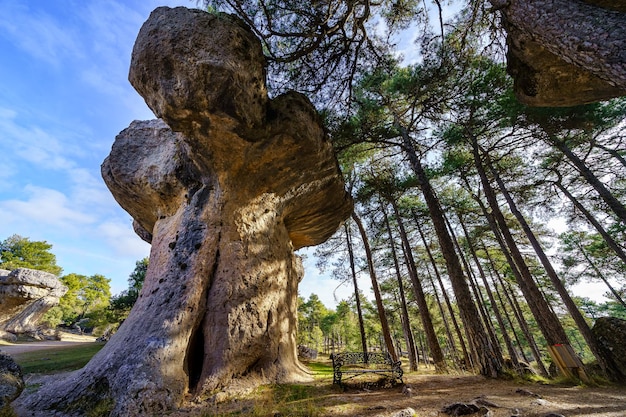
17,348
66,339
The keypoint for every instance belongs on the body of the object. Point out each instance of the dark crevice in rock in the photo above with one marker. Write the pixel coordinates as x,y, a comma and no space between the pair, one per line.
195,357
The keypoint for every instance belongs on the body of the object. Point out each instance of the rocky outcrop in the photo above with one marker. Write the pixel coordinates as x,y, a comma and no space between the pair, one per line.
563,52
226,185
25,296
610,333
11,380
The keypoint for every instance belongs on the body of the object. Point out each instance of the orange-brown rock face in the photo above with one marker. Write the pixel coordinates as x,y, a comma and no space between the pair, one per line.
564,52
226,185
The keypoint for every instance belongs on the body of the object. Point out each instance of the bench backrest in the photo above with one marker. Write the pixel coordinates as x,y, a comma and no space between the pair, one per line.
353,358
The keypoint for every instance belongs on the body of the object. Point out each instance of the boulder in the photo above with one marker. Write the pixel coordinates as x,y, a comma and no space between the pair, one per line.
563,52
25,296
610,333
11,380
306,352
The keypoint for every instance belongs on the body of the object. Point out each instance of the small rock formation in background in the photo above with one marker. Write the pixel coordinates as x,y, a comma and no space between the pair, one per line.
307,353
610,332
11,381
225,186
25,296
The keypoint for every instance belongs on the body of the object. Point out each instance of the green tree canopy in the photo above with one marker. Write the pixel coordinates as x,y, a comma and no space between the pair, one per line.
124,301
20,252
84,295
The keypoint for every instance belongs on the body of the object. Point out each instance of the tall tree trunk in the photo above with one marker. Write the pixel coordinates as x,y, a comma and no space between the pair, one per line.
573,310
379,301
466,355
357,296
611,243
480,302
509,321
618,208
517,311
406,323
492,300
615,153
548,323
487,359
600,274
446,325
420,297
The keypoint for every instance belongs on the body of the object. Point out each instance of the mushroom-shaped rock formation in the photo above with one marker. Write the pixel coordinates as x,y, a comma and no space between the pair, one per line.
226,185
25,296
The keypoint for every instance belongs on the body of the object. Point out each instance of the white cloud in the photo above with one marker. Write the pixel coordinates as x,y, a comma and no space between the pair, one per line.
44,207
32,144
123,240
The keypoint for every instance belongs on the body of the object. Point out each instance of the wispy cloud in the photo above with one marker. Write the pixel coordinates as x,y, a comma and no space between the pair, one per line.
44,207
33,144
120,236
38,33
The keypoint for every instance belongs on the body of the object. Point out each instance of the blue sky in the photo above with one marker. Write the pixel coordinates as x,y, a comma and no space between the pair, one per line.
64,95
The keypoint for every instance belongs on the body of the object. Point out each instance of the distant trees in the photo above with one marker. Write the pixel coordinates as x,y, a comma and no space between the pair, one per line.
124,301
20,252
87,298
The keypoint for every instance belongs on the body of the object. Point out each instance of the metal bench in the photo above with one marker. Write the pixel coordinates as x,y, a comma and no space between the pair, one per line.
355,363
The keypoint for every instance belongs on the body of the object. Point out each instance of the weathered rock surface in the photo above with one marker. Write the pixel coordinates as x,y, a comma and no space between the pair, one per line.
610,332
225,186
563,52
25,296
11,380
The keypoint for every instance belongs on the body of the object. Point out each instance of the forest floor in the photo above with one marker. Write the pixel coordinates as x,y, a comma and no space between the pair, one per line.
427,394
424,391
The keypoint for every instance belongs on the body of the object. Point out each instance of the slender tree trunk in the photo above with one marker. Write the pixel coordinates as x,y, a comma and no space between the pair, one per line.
613,152
611,243
466,356
451,342
480,302
600,275
420,297
406,324
510,322
618,208
357,296
379,301
492,300
513,301
573,310
486,356
548,323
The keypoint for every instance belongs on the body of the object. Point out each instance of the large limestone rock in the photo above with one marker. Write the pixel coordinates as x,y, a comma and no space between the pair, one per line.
226,185
25,296
610,333
565,52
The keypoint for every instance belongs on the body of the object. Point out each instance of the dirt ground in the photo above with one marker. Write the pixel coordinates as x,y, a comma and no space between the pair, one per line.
427,394
431,393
